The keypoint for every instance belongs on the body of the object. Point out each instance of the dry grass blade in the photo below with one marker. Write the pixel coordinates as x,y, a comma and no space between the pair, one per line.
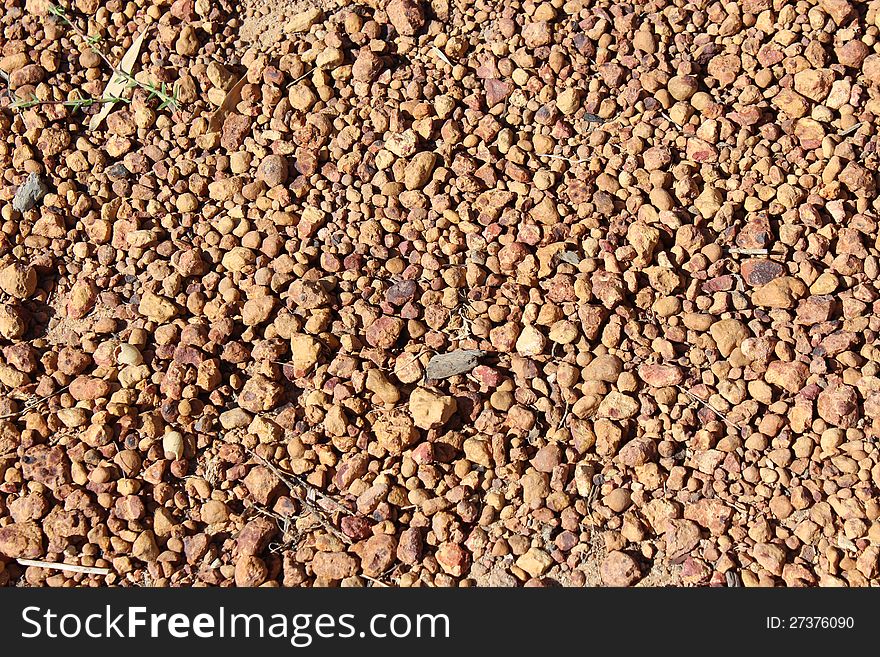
119,80
441,55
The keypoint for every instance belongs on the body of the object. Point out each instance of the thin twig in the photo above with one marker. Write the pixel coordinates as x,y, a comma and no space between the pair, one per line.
710,407
304,75
851,129
570,160
751,252
375,581
88,570
669,118
293,482
32,405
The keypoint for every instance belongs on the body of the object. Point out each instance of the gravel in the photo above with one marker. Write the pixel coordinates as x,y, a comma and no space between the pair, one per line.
441,294
29,193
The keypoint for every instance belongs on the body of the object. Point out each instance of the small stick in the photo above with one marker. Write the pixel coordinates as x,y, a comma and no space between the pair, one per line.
88,570
710,407
31,406
736,251
564,415
293,482
375,581
571,160
851,129
669,118
304,76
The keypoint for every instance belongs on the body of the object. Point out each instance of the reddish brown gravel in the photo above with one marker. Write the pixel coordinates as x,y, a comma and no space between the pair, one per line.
440,293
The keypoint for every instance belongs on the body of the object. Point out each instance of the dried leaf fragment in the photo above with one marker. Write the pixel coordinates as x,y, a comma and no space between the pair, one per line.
443,366
118,83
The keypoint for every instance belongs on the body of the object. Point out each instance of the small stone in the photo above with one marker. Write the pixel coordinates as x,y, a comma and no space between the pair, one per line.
253,537
87,388
453,559
789,376
852,54
537,34
792,103
13,322
858,179
256,311
547,458
260,394
728,335
144,547
262,484
618,569
644,239
81,299
29,193
334,566
418,170
603,368
531,342
814,83
31,74
725,68
638,452
838,405
305,352
712,514
410,546
681,536
618,406
781,292
235,128
660,376
569,101
407,16
367,65
535,562
21,540
839,10
384,332
770,557
430,409
18,280
304,20
709,202
682,87
273,170
156,309
618,500
395,432
378,554
760,271
250,571
564,332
